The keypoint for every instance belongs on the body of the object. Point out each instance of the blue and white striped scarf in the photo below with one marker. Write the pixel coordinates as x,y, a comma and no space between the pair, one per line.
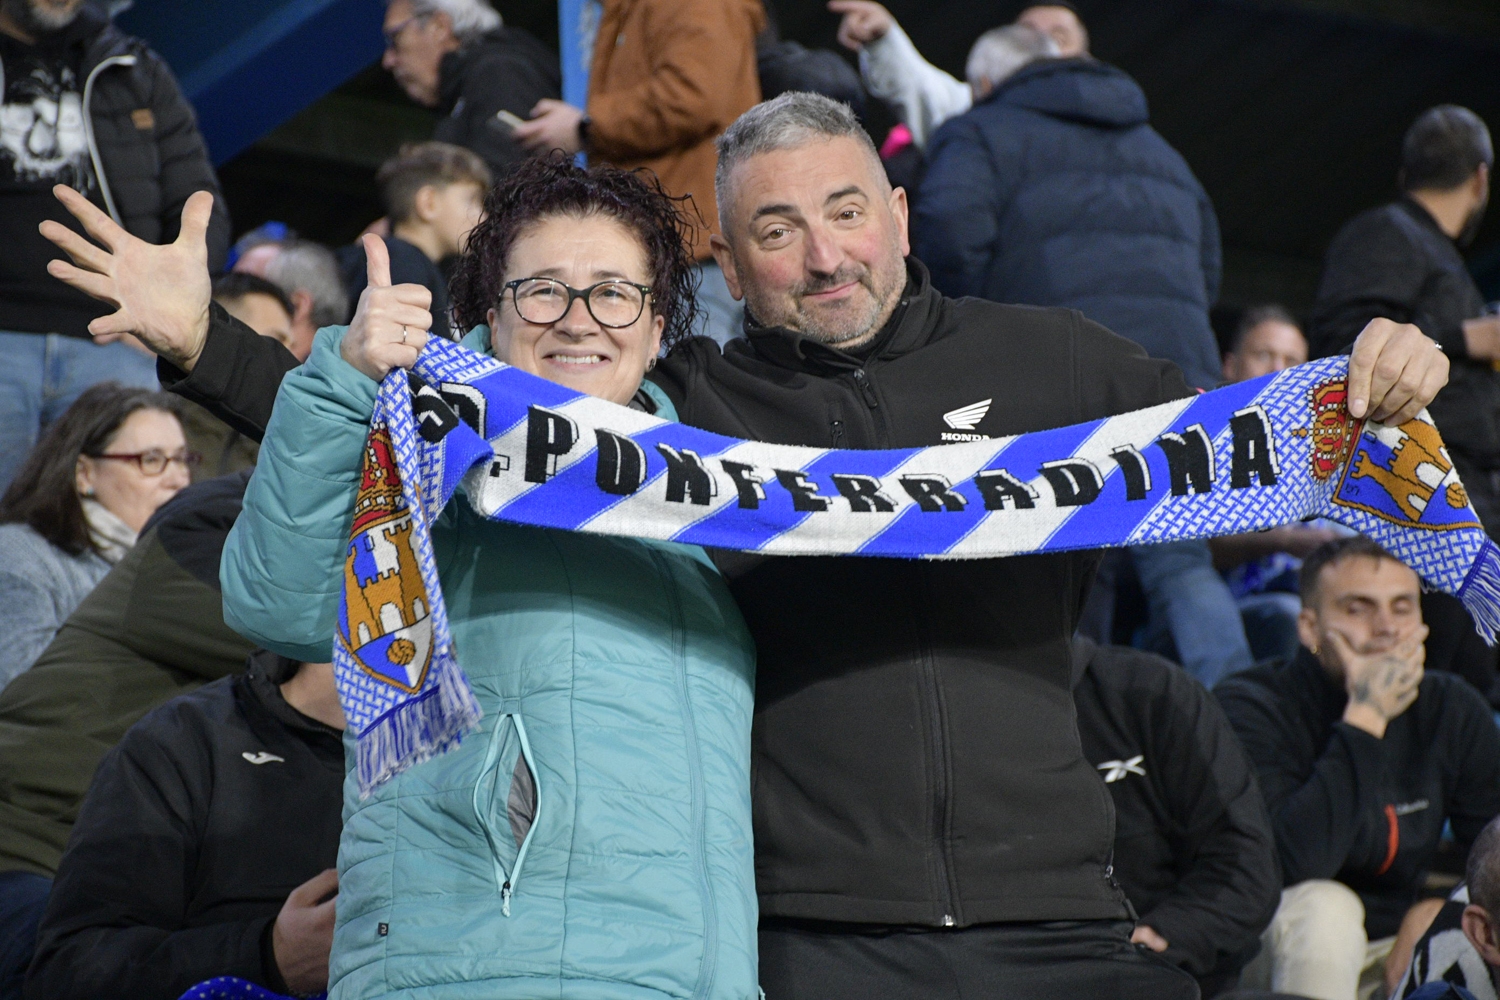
1249,456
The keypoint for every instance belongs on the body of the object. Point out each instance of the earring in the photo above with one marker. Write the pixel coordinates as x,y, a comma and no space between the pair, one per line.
650,364
88,494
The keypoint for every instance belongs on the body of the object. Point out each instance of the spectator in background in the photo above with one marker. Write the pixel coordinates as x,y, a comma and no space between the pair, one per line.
76,506
1054,190
266,309
925,96
1261,566
1404,261
456,56
1193,846
85,105
667,78
1462,943
434,194
183,864
152,629
1362,757
308,273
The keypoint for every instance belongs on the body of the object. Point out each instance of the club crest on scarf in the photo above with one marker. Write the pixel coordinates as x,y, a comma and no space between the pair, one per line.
384,620
1333,430
1404,475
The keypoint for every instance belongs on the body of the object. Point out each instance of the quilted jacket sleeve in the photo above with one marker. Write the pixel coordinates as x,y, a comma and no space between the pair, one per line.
281,567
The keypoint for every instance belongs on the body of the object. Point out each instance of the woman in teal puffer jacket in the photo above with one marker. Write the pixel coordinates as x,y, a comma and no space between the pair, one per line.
593,840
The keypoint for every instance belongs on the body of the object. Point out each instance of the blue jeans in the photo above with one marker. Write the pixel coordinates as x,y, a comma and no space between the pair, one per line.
23,897
719,315
41,374
1191,605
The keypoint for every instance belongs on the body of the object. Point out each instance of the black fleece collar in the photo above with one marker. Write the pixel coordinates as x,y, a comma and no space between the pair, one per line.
264,674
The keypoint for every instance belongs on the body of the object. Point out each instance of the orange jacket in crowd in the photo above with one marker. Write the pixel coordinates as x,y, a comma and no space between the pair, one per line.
668,77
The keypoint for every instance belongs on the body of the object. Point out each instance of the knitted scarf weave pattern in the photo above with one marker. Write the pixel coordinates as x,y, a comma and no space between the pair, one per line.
1254,455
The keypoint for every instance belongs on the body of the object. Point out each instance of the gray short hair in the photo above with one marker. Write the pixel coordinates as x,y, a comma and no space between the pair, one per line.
304,266
787,121
1483,872
471,18
1000,52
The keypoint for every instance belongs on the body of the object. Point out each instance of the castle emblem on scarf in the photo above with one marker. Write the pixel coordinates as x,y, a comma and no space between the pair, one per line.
1404,475
1333,430
384,620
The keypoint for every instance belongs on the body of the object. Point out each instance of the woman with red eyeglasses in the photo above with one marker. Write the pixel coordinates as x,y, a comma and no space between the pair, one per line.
75,508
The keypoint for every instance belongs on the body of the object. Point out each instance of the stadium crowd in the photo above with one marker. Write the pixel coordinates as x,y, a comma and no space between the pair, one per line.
1267,765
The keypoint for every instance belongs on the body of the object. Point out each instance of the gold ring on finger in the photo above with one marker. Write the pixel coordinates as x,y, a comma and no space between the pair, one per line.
403,334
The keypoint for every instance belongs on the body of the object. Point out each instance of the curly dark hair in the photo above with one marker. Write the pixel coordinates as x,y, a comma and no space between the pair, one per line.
554,185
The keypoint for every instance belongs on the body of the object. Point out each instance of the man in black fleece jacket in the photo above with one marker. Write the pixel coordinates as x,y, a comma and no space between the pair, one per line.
1193,846
925,820
205,846
1362,757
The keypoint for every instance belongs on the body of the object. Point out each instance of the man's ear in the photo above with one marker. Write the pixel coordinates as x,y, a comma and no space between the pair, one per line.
424,203
902,211
1481,184
302,306
1480,929
725,258
1231,367
1307,628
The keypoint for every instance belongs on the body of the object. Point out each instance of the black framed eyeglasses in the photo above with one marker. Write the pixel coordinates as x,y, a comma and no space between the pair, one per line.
155,461
613,303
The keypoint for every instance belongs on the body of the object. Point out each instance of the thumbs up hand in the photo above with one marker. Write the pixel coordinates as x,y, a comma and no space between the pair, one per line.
390,325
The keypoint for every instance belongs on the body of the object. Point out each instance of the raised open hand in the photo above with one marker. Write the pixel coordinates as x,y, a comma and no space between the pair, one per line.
160,293
390,326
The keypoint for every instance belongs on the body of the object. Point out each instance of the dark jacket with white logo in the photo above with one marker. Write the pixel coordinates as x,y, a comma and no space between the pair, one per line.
1348,806
915,753
1193,845
210,811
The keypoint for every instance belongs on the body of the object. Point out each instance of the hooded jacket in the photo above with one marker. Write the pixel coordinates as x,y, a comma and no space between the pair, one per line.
1054,190
147,154
150,631
1347,805
916,755
668,77
183,854
592,841
504,70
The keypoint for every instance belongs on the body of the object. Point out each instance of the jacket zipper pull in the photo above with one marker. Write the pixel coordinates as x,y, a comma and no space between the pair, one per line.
836,428
505,899
865,388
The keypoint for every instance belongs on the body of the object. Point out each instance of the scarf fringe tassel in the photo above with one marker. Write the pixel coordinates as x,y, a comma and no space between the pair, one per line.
418,731
1481,592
